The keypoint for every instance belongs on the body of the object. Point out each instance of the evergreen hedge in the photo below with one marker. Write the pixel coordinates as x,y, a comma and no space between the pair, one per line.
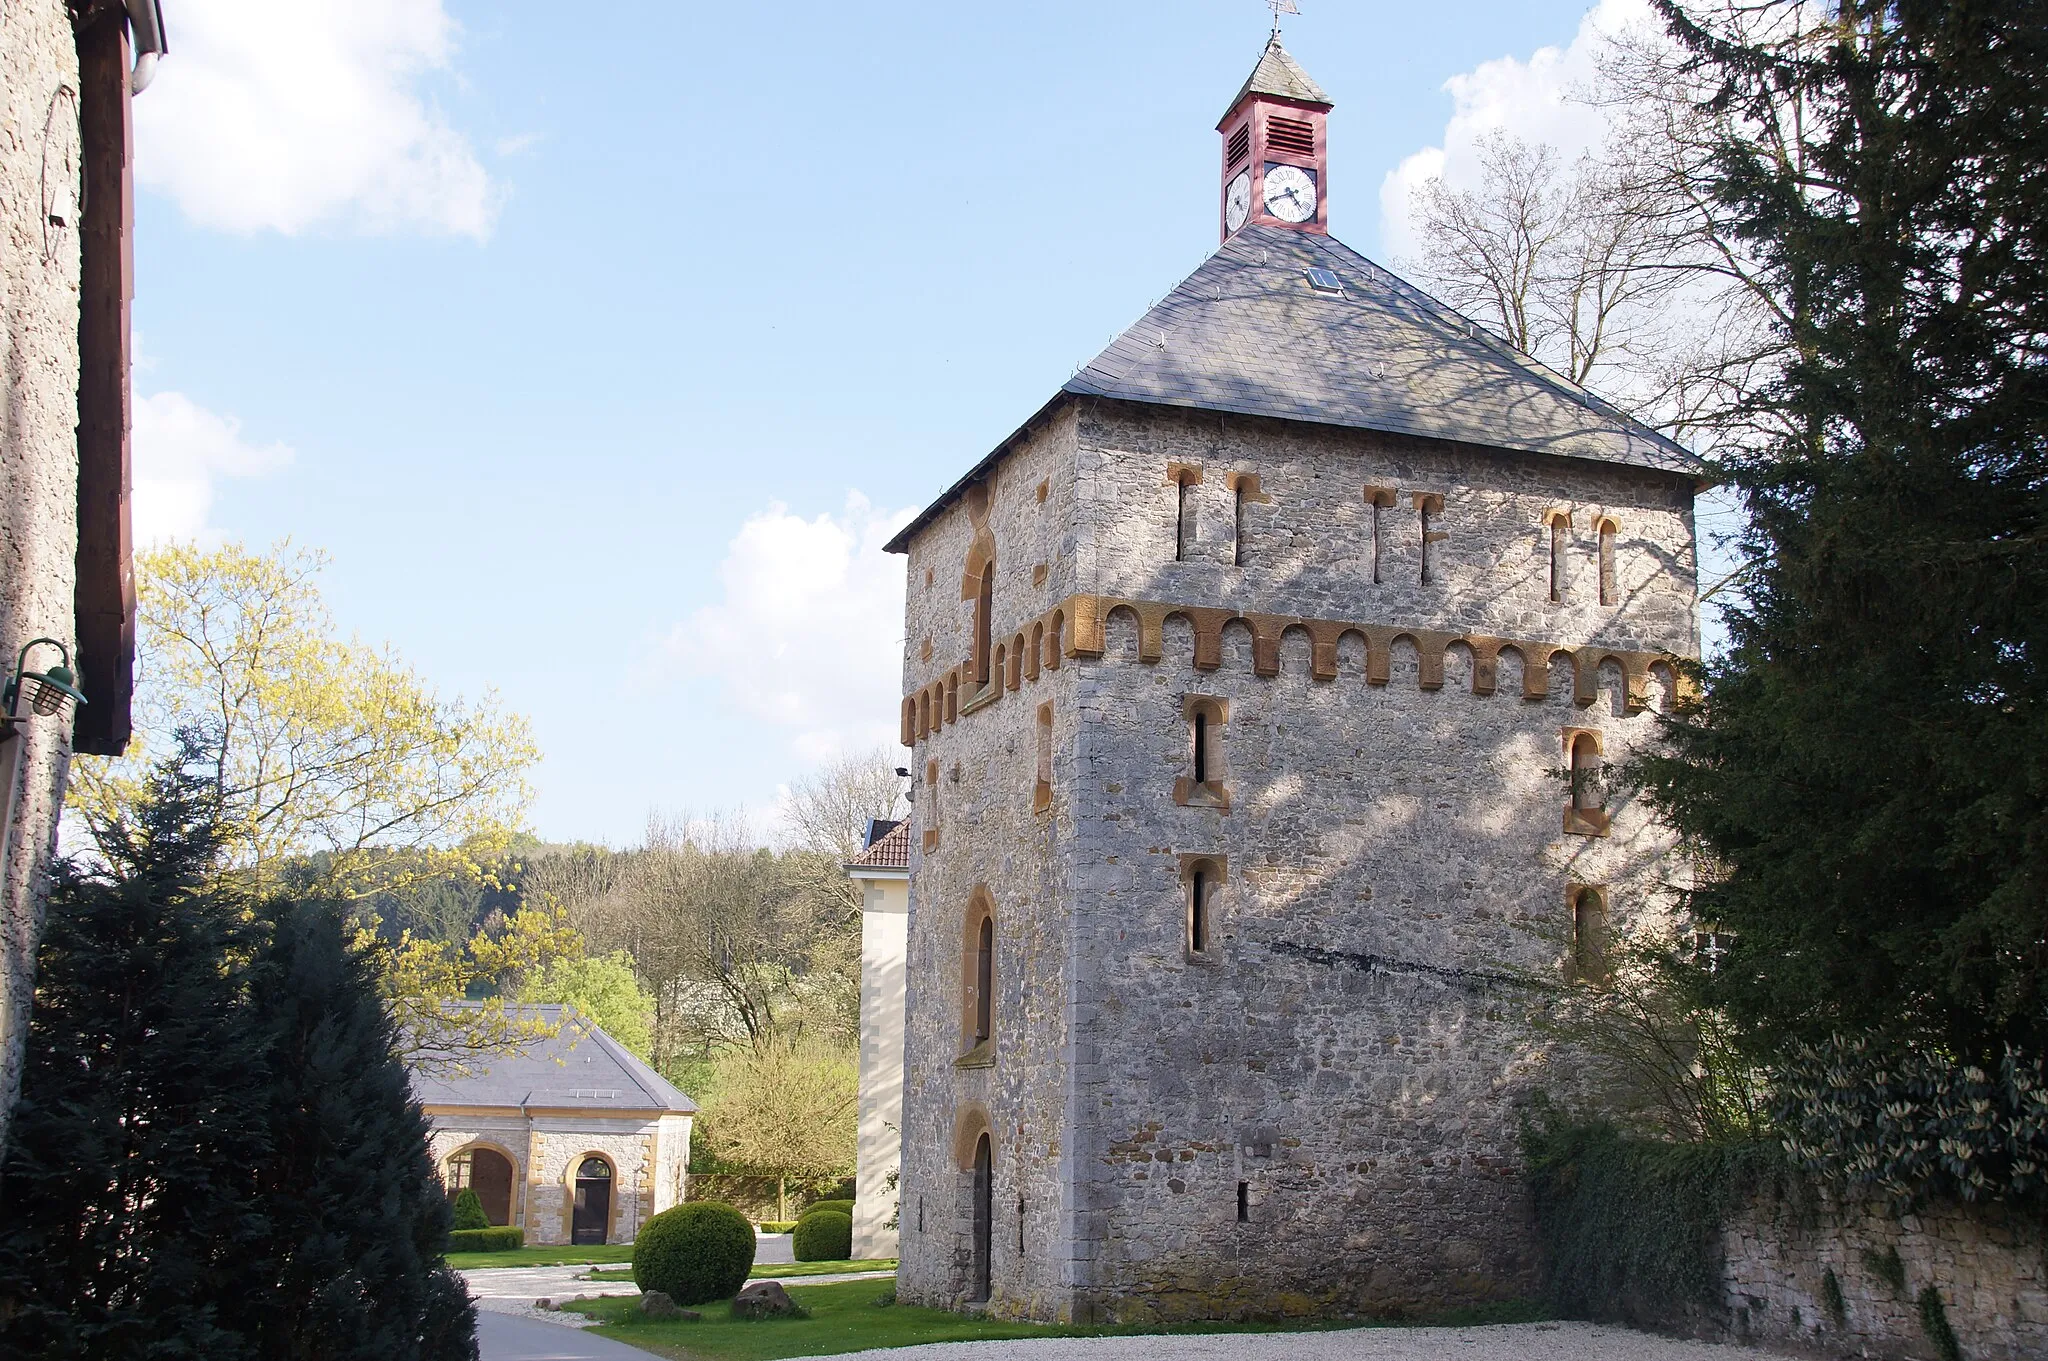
469,1210
823,1236
486,1240
694,1253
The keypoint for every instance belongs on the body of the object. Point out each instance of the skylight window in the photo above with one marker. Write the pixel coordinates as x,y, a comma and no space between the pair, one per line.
1326,281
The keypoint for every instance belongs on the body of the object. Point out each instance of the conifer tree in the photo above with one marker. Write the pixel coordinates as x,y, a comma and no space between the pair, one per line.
1867,767
126,1194
357,1220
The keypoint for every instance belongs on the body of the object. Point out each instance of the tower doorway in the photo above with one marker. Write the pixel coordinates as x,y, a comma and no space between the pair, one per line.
984,1218
592,1215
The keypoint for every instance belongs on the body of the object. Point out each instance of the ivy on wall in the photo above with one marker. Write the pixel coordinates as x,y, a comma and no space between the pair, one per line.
1630,1227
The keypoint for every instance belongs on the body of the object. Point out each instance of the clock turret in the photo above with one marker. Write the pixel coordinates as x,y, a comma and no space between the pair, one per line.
1275,165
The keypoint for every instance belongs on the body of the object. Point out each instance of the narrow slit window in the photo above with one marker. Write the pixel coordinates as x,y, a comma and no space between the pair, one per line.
984,610
1041,794
1244,1202
1198,911
1201,739
1375,543
985,981
1182,530
1607,586
1556,559
1589,935
1237,530
1586,794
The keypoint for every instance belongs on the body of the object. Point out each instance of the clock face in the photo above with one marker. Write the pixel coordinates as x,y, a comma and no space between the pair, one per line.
1290,193
1237,200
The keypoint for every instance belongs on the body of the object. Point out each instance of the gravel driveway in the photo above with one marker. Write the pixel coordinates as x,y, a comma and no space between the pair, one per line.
1516,1342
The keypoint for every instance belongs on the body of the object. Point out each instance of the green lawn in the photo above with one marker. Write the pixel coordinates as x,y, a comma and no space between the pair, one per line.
787,1271
557,1256
850,1317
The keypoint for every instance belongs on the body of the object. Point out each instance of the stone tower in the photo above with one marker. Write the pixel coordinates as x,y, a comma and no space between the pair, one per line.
1259,688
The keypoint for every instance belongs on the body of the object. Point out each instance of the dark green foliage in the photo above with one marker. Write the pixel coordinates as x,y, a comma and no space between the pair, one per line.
1911,1124
1934,1323
1630,1228
127,1187
1868,763
358,1220
694,1253
844,1207
499,1239
1888,1267
1831,1298
469,1210
216,1154
823,1236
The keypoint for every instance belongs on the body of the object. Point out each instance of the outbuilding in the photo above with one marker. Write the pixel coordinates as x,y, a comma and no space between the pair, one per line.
570,1137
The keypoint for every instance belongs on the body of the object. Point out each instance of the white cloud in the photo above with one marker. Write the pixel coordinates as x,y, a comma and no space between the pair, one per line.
274,115
808,635
180,449
1533,100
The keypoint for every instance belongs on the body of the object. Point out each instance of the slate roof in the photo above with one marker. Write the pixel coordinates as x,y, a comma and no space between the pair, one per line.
890,852
579,1066
1277,74
1246,333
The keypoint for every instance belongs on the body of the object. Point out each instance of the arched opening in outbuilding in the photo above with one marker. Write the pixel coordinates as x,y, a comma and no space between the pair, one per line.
487,1172
590,1220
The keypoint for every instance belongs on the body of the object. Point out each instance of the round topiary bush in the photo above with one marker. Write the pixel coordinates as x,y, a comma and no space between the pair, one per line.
469,1210
695,1253
823,1236
844,1207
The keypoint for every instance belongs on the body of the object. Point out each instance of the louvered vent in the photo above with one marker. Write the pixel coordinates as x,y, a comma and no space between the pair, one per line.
1240,146
1291,134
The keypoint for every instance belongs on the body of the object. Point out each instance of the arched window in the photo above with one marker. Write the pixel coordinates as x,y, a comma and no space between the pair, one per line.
1560,522
1589,934
985,981
1185,477
1201,740
1041,793
984,609
1200,882
1237,529
1201,878
1203,784
1609,592
978,980
1586,811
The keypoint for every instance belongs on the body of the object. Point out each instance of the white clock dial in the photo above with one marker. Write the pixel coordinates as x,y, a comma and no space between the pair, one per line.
1237,201
1290,193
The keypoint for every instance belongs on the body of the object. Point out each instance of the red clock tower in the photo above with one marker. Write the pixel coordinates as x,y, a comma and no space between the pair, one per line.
1275,165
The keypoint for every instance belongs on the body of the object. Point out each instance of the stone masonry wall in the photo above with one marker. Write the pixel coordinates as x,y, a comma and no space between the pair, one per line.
1316,1113
39,157
1989,1265
975,828
647,1158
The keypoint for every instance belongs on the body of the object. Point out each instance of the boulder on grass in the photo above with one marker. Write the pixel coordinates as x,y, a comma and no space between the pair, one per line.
654,1304
764,1299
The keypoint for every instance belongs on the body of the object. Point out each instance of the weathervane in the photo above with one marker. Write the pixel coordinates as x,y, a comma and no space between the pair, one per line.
1280,7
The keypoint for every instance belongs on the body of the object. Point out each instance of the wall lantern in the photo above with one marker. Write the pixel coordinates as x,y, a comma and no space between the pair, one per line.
46,690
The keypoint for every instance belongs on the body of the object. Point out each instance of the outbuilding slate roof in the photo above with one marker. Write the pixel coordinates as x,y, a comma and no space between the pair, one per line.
1246,333
577,1067
1277,74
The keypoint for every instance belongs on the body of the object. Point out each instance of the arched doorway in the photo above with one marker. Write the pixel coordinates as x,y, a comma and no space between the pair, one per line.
487,1172
984,1216
593,1212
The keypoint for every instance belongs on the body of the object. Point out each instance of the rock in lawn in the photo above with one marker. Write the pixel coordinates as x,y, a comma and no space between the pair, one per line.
764,1299
543,1303
654,1304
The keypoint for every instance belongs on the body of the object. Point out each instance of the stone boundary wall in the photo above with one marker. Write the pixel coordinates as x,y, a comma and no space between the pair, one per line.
1989,1264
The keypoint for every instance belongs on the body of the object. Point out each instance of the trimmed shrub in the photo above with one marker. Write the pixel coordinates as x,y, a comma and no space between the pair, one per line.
469,1210
486,1240
823,1236
844,1207
695,1253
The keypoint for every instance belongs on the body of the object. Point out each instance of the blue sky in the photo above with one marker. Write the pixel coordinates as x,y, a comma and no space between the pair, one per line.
601,356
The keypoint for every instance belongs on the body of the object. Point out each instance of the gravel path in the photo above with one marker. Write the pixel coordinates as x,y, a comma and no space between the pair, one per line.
1515,1342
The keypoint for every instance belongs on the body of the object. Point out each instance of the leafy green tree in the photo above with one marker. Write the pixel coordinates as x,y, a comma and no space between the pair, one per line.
788,1110
604,989
126,1188
1864,770
356,1221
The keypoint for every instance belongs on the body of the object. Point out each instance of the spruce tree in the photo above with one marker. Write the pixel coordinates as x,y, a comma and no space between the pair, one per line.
126,1195
1867,766
357,1220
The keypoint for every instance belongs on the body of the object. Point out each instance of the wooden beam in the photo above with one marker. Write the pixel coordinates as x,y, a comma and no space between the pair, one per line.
104,594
